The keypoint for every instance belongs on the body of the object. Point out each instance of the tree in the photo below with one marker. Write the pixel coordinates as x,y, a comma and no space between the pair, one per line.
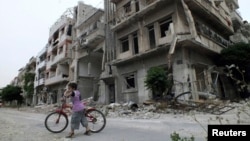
11,93
29,84
236,60
157,81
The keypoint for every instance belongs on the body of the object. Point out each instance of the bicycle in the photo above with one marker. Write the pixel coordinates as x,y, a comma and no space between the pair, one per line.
57,121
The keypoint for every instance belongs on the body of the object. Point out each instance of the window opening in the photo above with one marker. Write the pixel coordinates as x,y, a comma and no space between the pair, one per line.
164,26
136,46
130,81
127,7
125,44
151,33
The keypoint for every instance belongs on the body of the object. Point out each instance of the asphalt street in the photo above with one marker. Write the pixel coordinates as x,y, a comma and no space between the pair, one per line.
25,126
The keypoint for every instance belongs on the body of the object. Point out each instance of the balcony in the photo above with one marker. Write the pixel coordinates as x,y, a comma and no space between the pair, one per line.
210,34
216,16
56,79
58,58
41,65
93,37
124,15
238,37
39,82
64,38
237,19
64,20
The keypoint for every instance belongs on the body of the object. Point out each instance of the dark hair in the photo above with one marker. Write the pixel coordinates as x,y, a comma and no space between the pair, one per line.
72,85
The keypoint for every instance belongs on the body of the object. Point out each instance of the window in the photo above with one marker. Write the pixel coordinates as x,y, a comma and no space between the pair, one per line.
129,81
127,7
151,33
124,44
69,32
135,43
164,25
137,6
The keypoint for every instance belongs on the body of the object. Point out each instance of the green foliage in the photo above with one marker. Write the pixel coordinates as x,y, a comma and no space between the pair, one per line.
176,137
236,58
157,80
10,93
238,54
29,84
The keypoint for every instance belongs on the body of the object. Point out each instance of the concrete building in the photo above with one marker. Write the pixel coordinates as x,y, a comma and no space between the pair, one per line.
27,72
241,28
59,56
40,93
88,49
183,36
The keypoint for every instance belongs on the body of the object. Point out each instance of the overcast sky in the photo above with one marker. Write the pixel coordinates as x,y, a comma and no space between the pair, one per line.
24,29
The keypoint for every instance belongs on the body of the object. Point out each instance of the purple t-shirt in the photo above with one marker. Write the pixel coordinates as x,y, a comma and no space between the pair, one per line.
77,104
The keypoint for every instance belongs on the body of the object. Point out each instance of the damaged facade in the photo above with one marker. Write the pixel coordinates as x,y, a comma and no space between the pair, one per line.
58,57
183,36
109,52
87,49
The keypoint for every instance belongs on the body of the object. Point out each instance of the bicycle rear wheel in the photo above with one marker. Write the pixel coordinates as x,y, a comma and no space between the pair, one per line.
96,120
56,122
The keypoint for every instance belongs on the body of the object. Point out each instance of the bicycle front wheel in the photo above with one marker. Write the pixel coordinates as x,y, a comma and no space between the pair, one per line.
56,122
96,120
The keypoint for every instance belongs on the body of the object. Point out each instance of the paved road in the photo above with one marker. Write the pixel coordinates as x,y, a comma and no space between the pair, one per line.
25,126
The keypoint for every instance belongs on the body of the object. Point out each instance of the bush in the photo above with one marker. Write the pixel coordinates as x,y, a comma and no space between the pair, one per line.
157,81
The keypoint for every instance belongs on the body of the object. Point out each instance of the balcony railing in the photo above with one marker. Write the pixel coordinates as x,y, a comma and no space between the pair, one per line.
39,82
209,33
41,64
123,13
56,79
218,13
93,36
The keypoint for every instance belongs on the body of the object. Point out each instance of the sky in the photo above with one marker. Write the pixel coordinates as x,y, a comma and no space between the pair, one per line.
24,29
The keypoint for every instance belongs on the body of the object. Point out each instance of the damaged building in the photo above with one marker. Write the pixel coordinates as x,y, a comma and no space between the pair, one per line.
184,37
87,49
58,58
108,52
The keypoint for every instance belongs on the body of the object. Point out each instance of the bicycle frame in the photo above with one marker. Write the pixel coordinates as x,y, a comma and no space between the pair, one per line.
53,120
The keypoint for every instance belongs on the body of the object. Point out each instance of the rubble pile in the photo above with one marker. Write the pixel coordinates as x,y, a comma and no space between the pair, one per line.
159,110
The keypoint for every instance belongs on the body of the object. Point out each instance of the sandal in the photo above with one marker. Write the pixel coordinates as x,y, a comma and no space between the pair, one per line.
70,135
87,132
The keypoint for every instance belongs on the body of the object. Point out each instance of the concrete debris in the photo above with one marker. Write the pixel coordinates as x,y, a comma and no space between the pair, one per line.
155,110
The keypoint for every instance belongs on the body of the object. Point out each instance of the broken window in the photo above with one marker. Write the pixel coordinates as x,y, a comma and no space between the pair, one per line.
127,7
129,81
69,30
164,26
55,36
151,33
201,79
124,44
135,43
137,6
